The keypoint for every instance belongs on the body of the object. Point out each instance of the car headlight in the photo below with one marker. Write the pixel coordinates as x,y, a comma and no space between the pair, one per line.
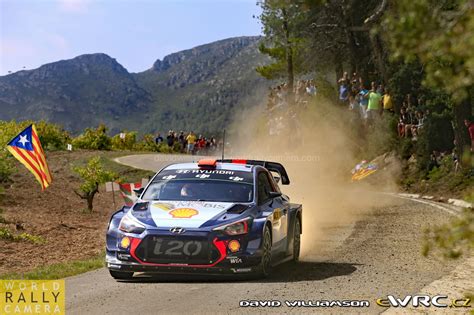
129,225
236,228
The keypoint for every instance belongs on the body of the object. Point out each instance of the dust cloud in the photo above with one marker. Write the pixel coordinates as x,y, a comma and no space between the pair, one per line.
318,146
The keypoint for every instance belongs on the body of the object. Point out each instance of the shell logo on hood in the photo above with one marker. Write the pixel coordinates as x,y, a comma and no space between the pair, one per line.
184,213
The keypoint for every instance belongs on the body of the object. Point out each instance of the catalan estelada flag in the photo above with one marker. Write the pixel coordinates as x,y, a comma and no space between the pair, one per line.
26,147
126,190
362,170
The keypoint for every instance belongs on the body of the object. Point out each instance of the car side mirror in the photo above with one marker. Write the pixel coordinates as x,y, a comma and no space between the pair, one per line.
139,191
274,194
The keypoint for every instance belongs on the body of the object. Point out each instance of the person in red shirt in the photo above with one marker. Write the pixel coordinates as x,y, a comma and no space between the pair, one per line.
470,127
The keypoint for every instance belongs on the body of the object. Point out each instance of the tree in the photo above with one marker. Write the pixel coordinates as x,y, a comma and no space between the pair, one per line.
93,139
93,174
441,35
280,20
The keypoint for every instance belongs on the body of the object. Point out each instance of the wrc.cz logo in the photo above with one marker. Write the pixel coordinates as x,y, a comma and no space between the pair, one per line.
423,301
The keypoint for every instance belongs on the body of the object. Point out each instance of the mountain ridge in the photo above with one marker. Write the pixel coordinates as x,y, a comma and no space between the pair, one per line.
213,78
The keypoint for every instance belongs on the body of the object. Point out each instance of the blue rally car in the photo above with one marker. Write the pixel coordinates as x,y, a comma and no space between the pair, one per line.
214,216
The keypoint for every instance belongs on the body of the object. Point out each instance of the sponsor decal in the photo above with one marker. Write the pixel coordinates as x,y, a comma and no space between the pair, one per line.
189,204
164,206
234,246
125,242
32,297
441,301
183,213
239,270
165,213
222,172
202,176
235,260
168,177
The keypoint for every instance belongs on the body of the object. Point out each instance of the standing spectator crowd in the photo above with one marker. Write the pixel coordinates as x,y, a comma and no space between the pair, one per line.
371,104
188,142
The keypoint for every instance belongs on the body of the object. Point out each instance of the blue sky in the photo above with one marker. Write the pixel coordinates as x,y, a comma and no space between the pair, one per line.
135,32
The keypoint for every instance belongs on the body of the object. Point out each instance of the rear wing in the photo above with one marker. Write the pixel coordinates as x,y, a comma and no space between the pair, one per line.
271,166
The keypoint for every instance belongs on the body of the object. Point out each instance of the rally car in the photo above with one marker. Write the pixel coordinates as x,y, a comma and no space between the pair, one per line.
214,217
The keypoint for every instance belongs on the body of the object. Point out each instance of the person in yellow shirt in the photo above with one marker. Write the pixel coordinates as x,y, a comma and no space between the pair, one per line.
191,139
387,101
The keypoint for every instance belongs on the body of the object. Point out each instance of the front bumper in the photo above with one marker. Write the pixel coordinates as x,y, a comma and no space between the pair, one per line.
244,261
223,269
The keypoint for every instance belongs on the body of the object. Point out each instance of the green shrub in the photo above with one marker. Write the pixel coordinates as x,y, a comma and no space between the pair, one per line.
127,143
93,139
6,234
52,136
6,167
148,144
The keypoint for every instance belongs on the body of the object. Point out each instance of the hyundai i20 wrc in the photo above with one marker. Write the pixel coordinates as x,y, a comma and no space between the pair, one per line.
213,217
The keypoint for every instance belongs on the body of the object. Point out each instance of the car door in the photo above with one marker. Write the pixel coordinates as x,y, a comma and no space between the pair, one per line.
275,208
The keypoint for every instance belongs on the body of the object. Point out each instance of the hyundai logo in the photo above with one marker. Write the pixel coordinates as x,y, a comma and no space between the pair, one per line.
177,230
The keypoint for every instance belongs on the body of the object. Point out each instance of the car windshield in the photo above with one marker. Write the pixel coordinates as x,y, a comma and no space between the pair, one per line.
201,185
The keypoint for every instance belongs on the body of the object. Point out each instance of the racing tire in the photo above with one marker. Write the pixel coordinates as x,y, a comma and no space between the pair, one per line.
121,275
296,241
265,265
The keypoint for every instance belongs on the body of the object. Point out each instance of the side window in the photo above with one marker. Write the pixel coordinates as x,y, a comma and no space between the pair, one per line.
264,188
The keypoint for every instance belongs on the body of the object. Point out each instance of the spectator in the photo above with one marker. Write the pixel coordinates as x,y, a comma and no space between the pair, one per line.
419,120
355,79
311,88
344,89
191,139
470,127
434,162
363,101
387,101
182,141
403,121
213,146
353,105
158,139
375,100
170,138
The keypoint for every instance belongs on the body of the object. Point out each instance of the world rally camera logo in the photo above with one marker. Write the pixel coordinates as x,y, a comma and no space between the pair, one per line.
32,297
441,301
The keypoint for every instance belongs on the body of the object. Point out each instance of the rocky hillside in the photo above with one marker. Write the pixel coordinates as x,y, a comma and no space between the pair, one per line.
198,89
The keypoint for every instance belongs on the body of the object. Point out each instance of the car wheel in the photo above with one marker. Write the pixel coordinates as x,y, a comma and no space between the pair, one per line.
266,262
296,241
121,275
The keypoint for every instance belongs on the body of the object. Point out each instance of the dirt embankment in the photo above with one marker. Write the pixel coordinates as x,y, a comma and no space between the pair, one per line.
56,215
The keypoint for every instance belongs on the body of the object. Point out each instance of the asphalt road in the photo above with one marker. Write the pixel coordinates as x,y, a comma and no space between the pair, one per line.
373,257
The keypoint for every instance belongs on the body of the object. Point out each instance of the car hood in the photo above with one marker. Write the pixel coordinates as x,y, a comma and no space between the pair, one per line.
186,214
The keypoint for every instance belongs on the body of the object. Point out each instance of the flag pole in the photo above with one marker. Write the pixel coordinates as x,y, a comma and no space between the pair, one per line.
113,194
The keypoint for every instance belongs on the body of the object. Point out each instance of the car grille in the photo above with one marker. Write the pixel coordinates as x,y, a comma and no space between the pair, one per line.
177,250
